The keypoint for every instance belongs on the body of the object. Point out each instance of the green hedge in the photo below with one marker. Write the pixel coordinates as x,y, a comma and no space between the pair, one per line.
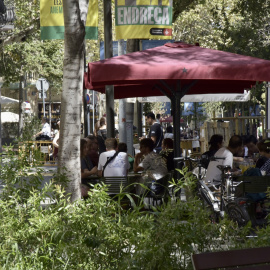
98,234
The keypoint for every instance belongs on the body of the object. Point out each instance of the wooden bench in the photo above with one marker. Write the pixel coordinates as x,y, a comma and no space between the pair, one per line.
244,259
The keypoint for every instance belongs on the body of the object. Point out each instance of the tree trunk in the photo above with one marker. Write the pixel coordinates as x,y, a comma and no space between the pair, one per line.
75,13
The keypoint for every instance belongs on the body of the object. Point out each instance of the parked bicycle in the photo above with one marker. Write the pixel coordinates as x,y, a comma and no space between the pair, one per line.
224,197
221,198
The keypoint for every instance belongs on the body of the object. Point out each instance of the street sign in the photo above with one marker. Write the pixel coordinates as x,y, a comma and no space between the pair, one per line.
42,85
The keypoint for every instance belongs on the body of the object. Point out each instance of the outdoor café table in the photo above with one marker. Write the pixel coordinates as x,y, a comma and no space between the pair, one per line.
244,165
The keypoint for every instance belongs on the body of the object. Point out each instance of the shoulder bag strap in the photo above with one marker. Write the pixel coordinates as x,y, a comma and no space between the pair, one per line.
108,161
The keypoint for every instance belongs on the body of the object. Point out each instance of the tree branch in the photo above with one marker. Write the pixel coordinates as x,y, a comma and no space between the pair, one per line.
19,37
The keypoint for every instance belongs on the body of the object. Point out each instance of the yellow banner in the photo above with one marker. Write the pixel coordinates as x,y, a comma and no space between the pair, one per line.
52,19
143,19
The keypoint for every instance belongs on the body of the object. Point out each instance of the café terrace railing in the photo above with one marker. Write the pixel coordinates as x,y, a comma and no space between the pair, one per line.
41,152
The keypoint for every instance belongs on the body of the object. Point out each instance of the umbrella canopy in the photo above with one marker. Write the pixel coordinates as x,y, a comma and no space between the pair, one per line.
9,117
174,70
200,71
169,119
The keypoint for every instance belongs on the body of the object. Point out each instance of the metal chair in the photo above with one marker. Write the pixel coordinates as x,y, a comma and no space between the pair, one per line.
114,183
163,194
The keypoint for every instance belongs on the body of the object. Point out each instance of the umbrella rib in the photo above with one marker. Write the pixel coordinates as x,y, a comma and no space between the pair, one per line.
187,87
161,90
168,87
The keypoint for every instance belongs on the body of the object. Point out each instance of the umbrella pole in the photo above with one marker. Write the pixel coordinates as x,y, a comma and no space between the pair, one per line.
108,48
175,102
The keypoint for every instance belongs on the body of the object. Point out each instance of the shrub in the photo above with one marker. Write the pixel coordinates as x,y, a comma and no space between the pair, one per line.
98,233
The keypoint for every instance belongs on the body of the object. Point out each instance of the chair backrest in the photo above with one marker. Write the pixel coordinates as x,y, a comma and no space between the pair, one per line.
114,183
165,180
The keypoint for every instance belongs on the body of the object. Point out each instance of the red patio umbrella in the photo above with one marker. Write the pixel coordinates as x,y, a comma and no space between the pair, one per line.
169,119
175,70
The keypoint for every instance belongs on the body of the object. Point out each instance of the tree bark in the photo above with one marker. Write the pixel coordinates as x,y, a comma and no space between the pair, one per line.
75,13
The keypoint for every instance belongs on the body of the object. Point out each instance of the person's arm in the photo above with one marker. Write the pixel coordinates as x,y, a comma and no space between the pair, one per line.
99,173
100,167
238,159
137,160
154,139
138,169
39,133
86,172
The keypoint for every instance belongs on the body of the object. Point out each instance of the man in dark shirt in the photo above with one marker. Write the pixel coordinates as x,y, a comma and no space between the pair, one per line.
156,132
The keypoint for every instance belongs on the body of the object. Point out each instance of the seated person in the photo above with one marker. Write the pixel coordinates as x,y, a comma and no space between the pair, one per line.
45,132
102,135
250,142
122,147
215,143
264,162
139,157
56,141
118,164
213,172
92,149
87,168
167,153
195,142
169,132
153,165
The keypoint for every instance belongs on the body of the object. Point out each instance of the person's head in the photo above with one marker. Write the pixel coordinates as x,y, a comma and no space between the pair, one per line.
150,118
146,146
158,115
92,143
264,148
111,144
122,147
235,144
216,142
102,121
44,120
251,143
167,144
84,148
169,129
58,122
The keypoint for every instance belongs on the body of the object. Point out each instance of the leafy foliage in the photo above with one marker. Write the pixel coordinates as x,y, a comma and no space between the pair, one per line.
233,25
98,233
23,52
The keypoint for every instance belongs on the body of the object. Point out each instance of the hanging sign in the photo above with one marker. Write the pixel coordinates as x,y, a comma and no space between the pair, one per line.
149,19
52,20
